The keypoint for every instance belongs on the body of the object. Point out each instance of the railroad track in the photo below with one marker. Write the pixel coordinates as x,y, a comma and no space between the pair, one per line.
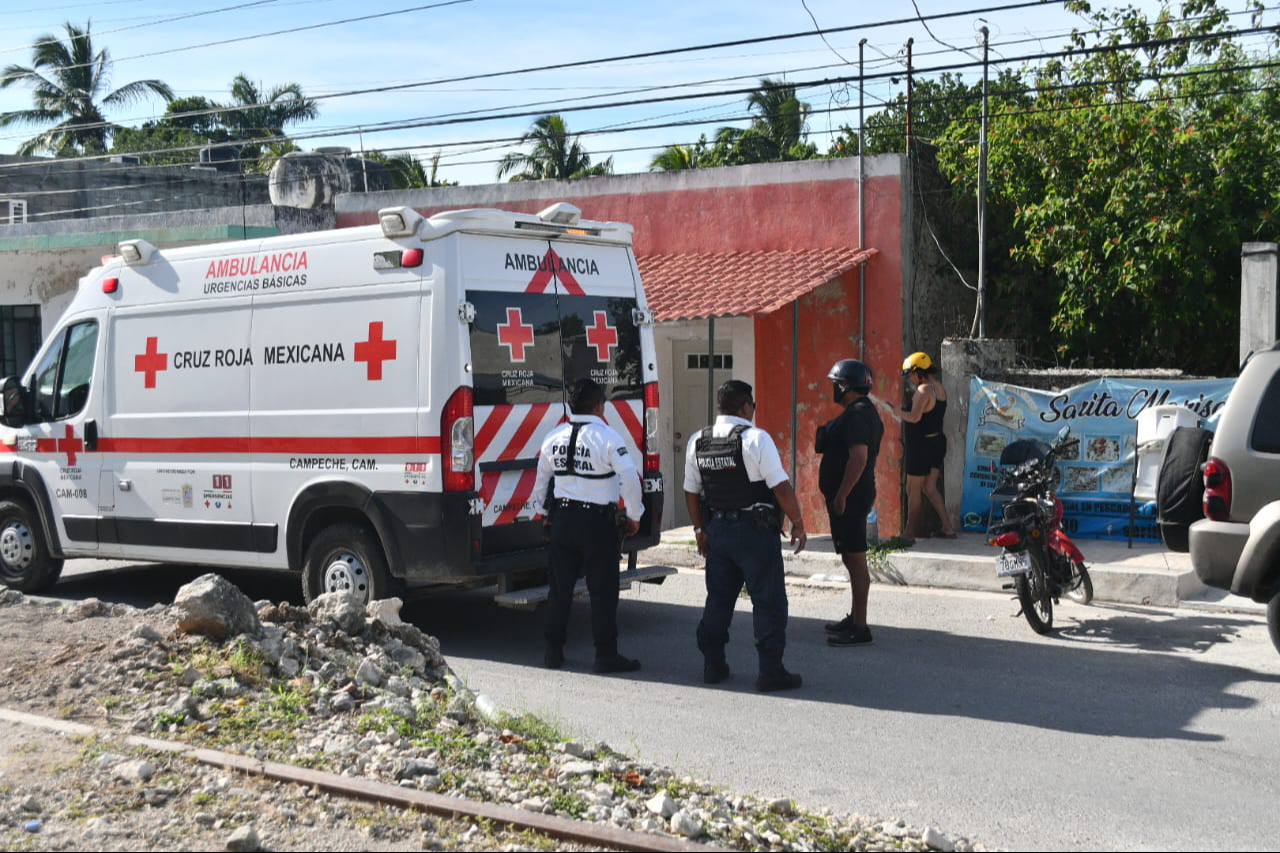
583,832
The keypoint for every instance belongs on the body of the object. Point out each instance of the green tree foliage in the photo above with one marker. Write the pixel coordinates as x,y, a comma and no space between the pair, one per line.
408,172
69,82
255,121
555,154
778,131
262,114
1133,178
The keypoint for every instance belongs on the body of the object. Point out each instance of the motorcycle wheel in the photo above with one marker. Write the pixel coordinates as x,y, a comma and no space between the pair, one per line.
1081,591
1035,595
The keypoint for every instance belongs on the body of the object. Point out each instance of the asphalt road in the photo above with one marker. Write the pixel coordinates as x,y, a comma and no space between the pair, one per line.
1129,728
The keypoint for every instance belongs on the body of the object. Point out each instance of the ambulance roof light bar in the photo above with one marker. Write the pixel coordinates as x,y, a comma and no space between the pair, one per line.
135,252
561,213
399,221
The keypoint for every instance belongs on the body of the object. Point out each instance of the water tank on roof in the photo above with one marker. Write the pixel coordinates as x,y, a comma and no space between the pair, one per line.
224,158
307,180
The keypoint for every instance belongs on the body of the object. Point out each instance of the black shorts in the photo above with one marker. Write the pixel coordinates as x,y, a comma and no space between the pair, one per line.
849,530
925,454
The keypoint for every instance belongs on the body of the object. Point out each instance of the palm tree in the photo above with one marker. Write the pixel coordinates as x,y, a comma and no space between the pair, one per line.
68,80
554,155
258,114
677,158
781,119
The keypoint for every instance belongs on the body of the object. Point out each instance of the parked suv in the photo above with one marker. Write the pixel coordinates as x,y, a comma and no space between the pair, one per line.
1237,545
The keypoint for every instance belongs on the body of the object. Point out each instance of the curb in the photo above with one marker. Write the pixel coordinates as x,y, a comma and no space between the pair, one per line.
1145,583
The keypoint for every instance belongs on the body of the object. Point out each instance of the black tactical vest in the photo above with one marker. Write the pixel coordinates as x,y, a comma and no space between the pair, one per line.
724,476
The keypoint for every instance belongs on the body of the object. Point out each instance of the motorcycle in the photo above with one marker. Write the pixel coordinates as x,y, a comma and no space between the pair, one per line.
1038,555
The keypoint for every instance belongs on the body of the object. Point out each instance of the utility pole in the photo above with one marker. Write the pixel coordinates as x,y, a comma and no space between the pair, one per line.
910,88
982,197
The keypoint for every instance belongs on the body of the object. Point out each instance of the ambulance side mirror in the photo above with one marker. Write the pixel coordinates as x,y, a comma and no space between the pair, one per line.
14,398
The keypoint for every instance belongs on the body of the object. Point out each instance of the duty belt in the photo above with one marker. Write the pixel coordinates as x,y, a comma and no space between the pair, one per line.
587,505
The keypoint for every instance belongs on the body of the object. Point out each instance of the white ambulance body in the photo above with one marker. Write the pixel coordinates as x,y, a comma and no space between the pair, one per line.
362,406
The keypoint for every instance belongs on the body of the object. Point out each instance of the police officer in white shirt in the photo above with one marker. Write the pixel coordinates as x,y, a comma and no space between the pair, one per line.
737,490
591,467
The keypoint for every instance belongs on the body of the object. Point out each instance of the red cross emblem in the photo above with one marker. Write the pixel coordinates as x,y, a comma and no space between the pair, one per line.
515,334
71,445
602,336
151,362
552,267
375,351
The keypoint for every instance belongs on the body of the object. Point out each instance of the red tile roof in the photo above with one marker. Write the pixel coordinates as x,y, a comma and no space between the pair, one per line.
694,286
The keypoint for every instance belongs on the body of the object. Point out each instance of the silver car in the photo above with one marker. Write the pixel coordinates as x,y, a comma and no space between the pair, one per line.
1237,545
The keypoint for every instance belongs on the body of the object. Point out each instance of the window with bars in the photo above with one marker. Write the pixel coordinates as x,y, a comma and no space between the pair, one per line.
699,361
20,337
13,211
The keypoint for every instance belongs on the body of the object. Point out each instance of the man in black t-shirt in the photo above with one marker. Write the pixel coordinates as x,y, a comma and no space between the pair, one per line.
847,477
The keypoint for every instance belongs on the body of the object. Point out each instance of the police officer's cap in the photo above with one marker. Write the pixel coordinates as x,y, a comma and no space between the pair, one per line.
853,374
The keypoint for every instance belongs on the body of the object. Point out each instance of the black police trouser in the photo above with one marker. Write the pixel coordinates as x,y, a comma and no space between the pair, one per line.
584,542
737,554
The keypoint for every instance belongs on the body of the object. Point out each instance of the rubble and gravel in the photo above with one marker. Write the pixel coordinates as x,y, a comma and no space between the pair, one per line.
336,687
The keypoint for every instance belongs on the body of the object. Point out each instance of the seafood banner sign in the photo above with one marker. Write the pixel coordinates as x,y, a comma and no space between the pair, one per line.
1096,484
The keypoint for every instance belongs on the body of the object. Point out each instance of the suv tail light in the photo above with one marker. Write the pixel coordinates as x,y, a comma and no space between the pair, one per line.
652,459
457,438
1217,490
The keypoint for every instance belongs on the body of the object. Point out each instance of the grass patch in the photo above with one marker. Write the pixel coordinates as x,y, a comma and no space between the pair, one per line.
878,554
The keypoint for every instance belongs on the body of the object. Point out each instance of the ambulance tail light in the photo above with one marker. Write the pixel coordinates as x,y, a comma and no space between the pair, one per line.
457,434
652,459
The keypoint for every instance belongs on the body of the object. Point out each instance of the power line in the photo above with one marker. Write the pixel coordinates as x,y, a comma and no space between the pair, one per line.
149,24
402,124
622,58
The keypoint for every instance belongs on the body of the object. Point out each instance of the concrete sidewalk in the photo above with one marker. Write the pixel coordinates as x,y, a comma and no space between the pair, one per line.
1146,573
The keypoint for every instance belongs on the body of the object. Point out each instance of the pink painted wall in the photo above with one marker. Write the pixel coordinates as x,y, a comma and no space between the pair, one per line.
739,215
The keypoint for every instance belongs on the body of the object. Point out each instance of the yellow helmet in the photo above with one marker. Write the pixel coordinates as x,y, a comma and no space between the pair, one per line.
916,361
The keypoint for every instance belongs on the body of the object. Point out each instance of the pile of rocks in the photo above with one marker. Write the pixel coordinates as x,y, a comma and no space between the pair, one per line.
356,691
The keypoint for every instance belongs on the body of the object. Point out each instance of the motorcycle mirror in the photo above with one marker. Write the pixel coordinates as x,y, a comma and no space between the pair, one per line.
1064,432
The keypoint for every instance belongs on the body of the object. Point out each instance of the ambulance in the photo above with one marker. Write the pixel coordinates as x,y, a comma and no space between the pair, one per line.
363,407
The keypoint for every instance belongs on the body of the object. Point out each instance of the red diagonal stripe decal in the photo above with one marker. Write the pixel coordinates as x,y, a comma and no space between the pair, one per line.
489,485
515,505
490,428
566,278
527,427
632,422
540,280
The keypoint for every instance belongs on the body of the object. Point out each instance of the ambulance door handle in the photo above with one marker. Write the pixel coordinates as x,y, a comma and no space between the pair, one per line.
91,434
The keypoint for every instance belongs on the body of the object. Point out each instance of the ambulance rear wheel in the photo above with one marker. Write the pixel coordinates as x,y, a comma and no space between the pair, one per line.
346,558
25,563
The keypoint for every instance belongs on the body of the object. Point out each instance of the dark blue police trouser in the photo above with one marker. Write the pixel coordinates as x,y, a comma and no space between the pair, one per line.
584,542
739,554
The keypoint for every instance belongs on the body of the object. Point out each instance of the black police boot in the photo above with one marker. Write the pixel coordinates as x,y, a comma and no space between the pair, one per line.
553,657
775,681
615,662
714,673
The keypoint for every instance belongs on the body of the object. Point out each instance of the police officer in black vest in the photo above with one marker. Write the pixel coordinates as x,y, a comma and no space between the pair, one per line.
737,491
591,467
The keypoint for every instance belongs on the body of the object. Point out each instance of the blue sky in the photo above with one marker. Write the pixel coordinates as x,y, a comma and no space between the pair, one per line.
482,36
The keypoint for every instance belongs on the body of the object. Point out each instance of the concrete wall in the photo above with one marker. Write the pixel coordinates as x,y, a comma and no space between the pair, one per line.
1259,302
61,189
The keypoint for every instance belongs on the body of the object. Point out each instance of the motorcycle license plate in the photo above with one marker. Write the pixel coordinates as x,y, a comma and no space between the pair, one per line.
1017,563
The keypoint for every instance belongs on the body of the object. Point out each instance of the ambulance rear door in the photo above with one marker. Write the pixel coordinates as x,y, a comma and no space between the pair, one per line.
546,313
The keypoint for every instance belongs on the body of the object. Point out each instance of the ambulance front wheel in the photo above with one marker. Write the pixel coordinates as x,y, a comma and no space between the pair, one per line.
25,563
346,558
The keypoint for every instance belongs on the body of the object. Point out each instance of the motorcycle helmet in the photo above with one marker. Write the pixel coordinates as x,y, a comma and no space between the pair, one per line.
916,361
849,374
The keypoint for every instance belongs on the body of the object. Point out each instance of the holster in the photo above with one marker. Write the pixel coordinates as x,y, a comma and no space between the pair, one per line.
620,521
766,518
